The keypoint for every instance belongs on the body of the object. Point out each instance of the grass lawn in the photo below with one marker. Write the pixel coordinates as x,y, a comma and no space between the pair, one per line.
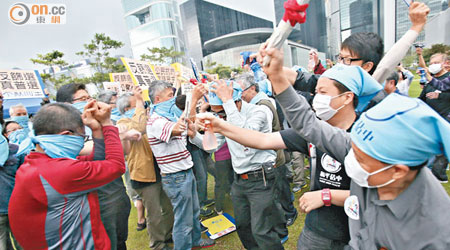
139,240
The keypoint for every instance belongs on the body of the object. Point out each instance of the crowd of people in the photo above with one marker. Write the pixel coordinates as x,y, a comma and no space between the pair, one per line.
376,156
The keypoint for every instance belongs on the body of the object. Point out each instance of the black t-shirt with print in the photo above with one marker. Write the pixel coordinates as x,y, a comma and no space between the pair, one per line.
330,222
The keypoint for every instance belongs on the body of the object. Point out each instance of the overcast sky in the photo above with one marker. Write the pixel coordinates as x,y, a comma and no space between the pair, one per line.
84,18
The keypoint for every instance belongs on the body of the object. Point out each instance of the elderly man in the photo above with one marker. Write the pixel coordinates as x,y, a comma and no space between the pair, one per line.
54,204
175,163
439,101
114,202
19,114
252,95
144,174
394,200
258,220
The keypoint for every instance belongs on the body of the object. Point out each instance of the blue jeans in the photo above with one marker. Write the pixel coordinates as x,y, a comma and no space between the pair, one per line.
181,189
201,175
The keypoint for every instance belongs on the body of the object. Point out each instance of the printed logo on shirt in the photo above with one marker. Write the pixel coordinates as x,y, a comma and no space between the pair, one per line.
330,164
351,207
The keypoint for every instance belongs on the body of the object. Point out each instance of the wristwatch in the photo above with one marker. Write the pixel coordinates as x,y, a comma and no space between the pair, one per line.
326,197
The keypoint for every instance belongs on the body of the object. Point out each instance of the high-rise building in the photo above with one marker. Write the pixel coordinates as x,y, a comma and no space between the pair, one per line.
402,18
153,23
312,33
204,21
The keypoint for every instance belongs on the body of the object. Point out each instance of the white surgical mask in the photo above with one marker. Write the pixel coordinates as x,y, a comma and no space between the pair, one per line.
358,174
321,104
435,68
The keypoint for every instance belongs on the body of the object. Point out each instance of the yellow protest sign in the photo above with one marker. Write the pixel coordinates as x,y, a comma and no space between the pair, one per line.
141,73
166,73
124,79
18,84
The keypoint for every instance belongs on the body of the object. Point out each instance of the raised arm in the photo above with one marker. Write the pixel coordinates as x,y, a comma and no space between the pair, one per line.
246,137
418,14
327,138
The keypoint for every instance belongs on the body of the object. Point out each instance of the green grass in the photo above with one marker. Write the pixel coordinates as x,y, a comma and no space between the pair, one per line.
414,89
140,240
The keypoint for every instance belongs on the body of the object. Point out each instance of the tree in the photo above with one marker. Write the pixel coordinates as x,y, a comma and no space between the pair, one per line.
99,50
50,59
435,48
224,72
162,55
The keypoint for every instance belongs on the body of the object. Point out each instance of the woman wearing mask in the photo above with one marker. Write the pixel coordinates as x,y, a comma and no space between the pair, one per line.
323,136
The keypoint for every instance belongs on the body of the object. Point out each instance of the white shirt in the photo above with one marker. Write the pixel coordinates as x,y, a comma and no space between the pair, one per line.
170,151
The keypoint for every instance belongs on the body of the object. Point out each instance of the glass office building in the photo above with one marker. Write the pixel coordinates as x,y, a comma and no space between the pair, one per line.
153,23
204,21
312,33
402,17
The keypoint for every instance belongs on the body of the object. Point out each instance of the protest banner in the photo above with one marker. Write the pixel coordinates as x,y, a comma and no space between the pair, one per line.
166,73
18,84
124,79
141,73
185,72
113,86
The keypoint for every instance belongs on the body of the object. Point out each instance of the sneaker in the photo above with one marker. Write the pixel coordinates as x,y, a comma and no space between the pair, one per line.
208,203
291,220
203,228
218,211
205,212
205,243
298,188
443,182
141,226
284,239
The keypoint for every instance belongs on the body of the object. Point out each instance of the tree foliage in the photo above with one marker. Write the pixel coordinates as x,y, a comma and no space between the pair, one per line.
50,59
435,48
162,55
224,72
99,50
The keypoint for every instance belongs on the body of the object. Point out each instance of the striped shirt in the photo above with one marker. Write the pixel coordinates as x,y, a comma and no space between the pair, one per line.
170,151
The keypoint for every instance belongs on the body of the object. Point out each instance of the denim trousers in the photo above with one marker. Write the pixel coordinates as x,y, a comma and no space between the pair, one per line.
181,188
200,172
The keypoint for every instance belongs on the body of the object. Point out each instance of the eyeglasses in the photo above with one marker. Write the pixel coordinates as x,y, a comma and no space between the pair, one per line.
85,137
346,60
83,99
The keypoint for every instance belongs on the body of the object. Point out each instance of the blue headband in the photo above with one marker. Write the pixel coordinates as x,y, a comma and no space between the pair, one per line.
357,81
402,130
215,100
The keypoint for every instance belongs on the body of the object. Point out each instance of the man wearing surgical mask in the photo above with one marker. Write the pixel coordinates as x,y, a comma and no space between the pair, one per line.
395,202
439,101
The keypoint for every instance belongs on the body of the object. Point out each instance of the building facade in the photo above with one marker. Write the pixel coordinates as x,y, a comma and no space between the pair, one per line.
204,21
153,23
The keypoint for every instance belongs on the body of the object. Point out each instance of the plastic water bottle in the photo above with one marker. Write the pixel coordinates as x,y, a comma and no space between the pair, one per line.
209,139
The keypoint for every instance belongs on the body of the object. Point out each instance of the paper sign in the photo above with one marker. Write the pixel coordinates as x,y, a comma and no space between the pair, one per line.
18,84
185,72
141,72
113,86
166,73
124,79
